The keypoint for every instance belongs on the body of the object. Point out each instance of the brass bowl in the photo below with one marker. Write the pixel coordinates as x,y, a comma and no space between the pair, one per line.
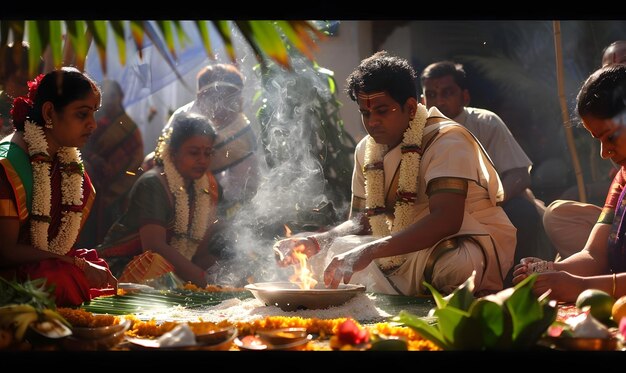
283,336
105,342
206,342
100,332
215,337
289,297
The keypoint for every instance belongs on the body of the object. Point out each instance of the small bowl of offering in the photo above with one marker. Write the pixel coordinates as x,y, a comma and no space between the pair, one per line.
283,336
119,323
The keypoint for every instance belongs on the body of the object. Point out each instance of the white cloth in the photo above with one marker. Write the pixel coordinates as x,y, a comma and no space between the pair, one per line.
568,224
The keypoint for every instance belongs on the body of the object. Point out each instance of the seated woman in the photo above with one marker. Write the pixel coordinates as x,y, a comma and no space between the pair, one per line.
171,208
45,194
601,104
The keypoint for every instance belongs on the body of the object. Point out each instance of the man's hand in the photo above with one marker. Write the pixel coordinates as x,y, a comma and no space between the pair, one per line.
285,250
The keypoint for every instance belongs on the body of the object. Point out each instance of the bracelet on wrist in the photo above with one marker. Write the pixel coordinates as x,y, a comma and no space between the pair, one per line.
614,284
539,267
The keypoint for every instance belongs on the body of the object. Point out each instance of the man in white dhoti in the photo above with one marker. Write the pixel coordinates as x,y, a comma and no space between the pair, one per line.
424,194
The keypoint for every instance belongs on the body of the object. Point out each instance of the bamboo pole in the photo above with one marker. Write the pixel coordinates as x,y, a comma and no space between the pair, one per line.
582,195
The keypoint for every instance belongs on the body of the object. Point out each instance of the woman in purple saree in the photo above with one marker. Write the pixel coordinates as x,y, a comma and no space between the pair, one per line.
601,104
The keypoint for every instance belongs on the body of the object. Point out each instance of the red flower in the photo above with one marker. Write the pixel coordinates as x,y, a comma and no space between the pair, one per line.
33,85
19,111
350,333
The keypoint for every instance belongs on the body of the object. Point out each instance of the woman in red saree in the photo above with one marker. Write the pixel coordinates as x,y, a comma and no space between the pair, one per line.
601,104
45,194
169,224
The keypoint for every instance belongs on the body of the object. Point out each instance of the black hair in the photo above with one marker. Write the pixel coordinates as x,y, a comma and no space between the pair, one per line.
383,72
61,87
444,68
603,94
186,125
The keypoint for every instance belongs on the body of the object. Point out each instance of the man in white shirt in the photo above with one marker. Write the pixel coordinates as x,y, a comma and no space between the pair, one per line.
444,86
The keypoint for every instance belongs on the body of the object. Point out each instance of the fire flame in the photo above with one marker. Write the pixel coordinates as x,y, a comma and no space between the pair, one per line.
287,231
303,276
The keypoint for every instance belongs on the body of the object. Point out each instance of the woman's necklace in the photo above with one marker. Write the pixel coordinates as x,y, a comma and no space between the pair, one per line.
186,238
72,173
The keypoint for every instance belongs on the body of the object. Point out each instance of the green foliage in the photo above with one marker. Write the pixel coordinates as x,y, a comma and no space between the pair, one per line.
262,35
511,319
33,292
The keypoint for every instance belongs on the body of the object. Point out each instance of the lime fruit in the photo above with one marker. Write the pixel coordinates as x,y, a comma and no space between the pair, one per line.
599,302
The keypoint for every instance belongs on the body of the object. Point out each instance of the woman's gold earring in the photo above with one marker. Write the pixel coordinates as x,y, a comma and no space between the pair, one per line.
48,124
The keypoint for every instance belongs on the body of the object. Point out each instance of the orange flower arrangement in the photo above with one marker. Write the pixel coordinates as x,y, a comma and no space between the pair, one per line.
83,319
324,329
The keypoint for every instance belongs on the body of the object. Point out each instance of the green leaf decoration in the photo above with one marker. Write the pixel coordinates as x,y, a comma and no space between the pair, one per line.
120,39
495,326
98,30
514,318
137,31
530,317
425,329
38,40
56,43
79,40
34,292
203,29
270,40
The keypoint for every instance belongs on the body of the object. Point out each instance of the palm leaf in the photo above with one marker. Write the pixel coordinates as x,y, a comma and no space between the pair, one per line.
120,39
38,39
203,29
99,32
158,44
166,29
223,27
56,43
137,31
265,36
79,41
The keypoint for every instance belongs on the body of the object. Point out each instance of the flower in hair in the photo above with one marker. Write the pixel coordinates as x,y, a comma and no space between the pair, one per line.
19,111
33,85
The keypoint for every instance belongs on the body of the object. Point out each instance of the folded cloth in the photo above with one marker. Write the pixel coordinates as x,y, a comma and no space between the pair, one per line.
144,267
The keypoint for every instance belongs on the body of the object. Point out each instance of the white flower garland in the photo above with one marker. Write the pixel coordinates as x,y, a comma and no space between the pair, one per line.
186,238
71,192
407,183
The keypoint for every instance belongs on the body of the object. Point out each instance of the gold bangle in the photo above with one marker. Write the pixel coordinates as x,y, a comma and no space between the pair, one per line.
614,283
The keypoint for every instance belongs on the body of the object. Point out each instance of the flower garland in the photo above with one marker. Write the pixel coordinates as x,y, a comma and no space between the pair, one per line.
71,192
407,183
186,238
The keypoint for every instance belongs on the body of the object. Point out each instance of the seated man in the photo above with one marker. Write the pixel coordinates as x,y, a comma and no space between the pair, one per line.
445,87
424,197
